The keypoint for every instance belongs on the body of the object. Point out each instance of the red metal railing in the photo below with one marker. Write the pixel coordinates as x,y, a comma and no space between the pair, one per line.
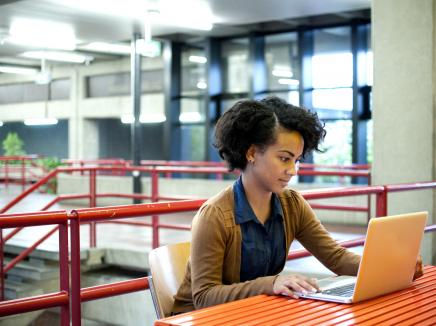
76,295
154,172
305,168
58,299
21,169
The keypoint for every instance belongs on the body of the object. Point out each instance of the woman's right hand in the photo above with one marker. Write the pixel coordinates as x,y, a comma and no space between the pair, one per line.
289,284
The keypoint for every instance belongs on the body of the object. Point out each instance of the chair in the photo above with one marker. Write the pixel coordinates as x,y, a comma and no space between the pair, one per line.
167,267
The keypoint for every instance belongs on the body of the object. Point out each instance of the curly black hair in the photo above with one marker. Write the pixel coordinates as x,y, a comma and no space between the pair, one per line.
251,122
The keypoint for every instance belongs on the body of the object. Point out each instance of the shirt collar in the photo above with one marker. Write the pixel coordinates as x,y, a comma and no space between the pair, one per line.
243,210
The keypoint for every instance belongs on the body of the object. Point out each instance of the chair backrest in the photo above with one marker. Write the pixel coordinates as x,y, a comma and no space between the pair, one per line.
167,267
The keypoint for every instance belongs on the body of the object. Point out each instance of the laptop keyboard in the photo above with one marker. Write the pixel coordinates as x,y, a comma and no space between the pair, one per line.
341,291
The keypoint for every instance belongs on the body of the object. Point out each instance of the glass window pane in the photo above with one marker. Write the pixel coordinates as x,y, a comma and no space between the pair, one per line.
340,99
119,84
281,59
228,103
234,57
60,89
191,110
23,92
337,144
332,62
193,143
193,72
369,60
292,97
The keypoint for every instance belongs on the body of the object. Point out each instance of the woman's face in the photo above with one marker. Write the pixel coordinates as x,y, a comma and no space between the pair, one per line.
276,164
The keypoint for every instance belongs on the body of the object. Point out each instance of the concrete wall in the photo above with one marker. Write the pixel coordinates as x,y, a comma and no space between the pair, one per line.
404,104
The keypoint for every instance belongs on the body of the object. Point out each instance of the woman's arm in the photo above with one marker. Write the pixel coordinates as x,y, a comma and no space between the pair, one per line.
214,261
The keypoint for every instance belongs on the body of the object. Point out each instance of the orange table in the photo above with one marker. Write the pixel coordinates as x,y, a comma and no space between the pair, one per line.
414,305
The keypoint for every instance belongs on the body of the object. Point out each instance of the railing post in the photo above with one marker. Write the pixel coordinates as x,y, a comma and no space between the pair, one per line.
154,199
2,275
64,271
92,203
75,299
382,203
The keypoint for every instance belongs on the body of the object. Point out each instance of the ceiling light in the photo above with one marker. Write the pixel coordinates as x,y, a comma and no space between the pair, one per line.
201,85
197,59
18,70
152,118
289,81
42,34
116,48
190,117
144,118
43,78
40,121
127,118
148,48
58,56
285,73
1,123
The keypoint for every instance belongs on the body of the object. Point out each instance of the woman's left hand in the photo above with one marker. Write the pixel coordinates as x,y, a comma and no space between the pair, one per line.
418,268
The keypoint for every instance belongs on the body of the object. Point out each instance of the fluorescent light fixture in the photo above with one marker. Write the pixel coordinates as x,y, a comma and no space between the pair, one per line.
58,56
40,121
152,118
127,118
144,118
289,81
18,70
201,85
116,48
43,78
41,33
281,72
148,48
197,59
190,117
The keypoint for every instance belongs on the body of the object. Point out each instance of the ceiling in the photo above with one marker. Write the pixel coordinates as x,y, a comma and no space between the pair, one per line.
94,20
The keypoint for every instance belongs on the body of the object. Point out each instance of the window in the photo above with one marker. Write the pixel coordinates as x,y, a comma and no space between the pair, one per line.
58,89
332,95
235,69
119,84
194,86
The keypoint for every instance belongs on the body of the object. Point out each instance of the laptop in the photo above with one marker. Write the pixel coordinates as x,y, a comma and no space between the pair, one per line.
388,261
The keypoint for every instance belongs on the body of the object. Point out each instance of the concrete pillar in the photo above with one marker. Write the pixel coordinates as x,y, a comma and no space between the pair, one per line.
73,122
404,111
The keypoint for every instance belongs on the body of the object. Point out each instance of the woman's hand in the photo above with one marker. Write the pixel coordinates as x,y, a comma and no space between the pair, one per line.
289,284
418,268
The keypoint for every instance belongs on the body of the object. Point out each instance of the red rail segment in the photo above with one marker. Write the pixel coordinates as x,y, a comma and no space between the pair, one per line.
21,169
77,295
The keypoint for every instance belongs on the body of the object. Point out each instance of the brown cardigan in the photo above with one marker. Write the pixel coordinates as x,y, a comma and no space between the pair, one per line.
212,274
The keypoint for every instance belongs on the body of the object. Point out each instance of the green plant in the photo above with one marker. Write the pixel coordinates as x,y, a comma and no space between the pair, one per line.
13,145
50,163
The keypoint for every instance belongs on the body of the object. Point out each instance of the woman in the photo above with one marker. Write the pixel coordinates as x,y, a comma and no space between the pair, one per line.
241,236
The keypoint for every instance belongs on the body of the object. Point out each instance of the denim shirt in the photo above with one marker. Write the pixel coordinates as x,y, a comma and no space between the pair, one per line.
263,245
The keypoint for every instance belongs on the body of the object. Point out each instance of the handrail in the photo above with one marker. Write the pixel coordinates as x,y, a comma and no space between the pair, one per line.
154,172
117,212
